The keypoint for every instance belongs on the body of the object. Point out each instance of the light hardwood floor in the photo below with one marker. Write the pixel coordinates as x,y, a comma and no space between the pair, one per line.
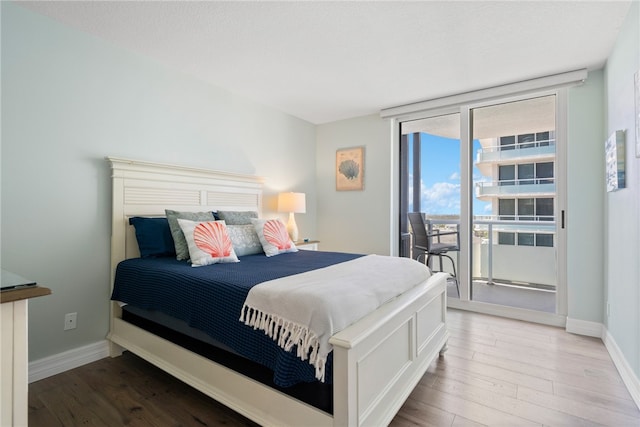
496,372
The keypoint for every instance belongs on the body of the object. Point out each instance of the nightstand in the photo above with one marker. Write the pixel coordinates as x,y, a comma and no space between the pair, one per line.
309,245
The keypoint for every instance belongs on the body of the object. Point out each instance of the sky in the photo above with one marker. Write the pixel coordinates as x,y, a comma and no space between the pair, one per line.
440,181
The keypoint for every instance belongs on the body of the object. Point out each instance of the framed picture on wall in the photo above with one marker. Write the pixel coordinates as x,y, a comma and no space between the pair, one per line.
614,155
350,169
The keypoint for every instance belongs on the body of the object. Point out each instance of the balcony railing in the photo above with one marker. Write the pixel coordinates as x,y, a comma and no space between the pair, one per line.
509,263
497,153
509,258
515,186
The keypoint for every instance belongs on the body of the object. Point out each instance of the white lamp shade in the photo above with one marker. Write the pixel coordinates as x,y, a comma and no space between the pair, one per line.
292,202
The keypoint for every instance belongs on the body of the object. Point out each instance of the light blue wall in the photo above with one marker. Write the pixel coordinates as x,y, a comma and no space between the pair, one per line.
622,207
69,100
585,199
355,221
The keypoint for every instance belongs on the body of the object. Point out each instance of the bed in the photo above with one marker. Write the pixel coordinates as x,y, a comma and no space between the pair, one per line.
376,361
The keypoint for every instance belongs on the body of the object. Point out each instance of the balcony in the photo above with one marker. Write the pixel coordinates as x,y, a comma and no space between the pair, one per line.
529,187
509,274
499,154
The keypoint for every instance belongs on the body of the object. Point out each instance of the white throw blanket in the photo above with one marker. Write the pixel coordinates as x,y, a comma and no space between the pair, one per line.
307,309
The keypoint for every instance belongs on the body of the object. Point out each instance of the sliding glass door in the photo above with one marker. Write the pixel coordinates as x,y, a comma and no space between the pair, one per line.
514,258
490,172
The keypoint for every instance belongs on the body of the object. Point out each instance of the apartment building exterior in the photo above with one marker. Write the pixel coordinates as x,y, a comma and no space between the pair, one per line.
518,179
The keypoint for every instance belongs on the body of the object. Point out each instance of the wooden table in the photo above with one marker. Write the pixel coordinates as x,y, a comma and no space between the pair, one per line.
15,354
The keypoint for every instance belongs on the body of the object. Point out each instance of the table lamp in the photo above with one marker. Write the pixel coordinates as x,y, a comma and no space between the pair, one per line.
292,203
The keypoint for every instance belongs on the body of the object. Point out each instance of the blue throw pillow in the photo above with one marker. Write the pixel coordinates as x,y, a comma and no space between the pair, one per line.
154,237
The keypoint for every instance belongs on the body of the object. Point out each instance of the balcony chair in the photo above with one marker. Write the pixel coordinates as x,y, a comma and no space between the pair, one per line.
427,244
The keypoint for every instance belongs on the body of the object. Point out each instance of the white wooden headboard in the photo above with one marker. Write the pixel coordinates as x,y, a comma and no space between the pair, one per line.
146,189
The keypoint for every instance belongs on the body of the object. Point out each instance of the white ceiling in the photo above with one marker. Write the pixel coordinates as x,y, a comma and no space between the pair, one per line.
326,61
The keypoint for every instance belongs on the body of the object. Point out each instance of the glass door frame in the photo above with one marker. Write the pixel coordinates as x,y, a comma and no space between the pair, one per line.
466,194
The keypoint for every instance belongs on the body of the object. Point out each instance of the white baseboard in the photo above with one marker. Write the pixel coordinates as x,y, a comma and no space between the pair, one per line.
629,377
58,363
584,327
598,330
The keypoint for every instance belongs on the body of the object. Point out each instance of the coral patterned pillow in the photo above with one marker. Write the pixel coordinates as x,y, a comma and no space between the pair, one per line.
273,236
208,241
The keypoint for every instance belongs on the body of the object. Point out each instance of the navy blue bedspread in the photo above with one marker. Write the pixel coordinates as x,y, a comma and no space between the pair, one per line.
210,298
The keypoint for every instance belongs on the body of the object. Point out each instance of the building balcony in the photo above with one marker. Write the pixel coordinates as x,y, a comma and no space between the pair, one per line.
516,187
509,275
516,153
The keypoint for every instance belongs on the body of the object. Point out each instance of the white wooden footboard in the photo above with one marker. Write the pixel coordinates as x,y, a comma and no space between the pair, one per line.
380,359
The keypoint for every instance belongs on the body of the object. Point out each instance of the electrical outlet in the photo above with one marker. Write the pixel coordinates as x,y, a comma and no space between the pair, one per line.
70,321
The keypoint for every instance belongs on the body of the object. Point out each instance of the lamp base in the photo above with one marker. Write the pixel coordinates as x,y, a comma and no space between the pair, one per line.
292,227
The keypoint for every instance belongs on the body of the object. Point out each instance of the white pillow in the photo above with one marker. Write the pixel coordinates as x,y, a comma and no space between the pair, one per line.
208,241
273,236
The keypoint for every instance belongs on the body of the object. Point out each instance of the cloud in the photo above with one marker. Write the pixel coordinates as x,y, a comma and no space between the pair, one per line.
443,198
454,177
441,190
